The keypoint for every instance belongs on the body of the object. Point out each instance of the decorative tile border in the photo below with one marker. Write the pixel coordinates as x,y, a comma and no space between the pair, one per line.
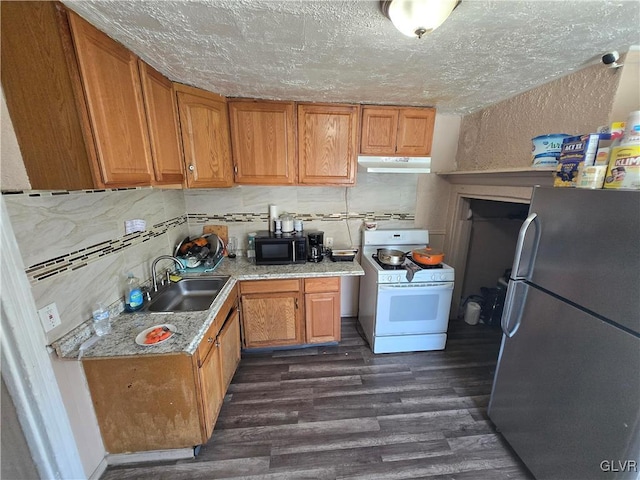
53,193
202,218
81,258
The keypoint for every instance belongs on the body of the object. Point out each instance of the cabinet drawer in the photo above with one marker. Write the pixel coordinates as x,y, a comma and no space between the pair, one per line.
270,286
327,284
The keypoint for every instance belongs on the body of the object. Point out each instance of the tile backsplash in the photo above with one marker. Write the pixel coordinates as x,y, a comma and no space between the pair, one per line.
76,252
338,211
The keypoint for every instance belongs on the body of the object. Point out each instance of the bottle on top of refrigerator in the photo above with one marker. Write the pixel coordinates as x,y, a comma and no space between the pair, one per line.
624,157
133,298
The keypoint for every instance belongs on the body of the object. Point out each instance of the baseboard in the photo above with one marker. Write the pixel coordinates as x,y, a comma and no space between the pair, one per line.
150,456
100,469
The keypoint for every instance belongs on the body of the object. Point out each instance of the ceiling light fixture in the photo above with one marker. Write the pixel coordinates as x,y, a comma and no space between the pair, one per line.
414,18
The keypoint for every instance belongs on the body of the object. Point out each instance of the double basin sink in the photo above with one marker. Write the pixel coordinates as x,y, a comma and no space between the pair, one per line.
187,295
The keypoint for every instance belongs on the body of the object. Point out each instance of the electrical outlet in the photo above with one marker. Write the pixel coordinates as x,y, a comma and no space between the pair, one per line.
49,317
328,242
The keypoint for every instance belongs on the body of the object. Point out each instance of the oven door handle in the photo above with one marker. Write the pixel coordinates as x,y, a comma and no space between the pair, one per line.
406,286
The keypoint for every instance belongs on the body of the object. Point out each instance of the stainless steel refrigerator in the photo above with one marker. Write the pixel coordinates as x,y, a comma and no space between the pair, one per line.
566,394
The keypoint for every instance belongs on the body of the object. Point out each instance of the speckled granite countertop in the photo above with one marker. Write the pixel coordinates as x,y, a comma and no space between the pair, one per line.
191,325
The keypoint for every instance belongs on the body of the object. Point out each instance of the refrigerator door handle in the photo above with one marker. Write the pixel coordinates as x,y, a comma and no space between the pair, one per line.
513,307
529,254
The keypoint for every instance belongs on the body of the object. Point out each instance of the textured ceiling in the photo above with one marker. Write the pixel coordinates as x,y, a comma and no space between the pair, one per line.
348,51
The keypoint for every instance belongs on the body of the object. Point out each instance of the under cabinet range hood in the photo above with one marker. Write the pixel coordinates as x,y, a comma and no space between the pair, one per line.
395,164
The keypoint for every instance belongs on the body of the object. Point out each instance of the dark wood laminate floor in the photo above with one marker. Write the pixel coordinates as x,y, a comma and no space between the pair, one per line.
343,413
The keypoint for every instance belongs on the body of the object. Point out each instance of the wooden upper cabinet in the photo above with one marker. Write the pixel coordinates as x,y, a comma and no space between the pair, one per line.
44,97
327,144
263,142
415,131
379,131
204,126
113,92
397,131
162,119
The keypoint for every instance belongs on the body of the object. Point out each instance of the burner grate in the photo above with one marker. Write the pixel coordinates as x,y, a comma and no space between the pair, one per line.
425,267
421,266
384,265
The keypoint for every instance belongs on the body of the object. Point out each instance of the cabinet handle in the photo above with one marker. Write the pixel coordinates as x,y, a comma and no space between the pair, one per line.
191,168
296,303
210,340
217,343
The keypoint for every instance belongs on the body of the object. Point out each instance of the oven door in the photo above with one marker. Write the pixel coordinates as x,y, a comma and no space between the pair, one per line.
415,308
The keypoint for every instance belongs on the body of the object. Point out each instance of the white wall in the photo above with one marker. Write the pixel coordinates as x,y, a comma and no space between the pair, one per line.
627,98
432,196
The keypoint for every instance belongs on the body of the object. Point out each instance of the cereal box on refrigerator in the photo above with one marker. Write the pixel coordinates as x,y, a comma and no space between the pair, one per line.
576,152
624,158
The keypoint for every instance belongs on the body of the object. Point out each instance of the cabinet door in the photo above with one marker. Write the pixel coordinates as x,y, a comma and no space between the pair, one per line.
322,312
146,402
415,131
41,85
162,118
263,143
211,389
379,130
116,111
322,309
272,319
229,340
204,127
327,144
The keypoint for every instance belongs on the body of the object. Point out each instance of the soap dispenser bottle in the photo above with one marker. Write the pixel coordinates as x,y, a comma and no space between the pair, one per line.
133,298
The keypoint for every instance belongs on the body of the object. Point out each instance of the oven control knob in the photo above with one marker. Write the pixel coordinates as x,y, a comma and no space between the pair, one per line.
390,278
443,277
433,277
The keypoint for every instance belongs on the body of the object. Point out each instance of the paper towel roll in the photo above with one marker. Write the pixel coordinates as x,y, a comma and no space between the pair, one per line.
273,215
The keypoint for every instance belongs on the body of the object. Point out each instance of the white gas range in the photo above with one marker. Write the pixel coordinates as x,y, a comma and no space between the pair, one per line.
403,308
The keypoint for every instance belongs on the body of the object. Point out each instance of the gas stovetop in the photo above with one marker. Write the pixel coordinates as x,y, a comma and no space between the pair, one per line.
408,258
404,241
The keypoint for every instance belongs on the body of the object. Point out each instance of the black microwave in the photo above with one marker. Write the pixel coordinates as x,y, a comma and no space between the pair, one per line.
281,248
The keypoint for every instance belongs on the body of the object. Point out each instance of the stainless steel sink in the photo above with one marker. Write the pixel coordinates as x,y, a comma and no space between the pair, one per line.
187,295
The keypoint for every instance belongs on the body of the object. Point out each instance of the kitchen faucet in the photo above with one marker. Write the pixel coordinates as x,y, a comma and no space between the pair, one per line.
153,268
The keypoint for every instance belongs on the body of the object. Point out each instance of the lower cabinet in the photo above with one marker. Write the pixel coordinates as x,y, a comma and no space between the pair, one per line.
145,403
278,313
322,309
156,402
271,313
229,345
